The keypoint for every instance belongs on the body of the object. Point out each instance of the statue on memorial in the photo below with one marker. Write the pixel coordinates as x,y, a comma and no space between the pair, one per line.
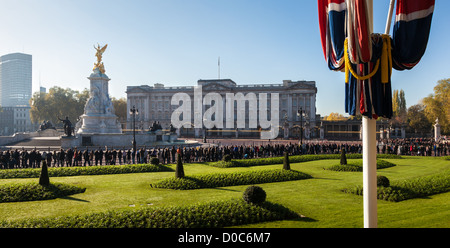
67,126
99,65
46,125
93,103
172,129
155,126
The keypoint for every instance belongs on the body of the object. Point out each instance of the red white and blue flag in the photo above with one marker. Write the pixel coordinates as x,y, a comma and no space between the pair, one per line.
411,31
332,14
371,56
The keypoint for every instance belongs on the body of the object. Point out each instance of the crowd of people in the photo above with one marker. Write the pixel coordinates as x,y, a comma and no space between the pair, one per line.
13,159
414,147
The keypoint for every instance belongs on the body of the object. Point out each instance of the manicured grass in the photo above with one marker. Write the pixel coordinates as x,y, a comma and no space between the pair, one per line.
320,198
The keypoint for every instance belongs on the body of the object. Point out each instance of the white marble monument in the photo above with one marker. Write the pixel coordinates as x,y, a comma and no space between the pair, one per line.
437,130
99,115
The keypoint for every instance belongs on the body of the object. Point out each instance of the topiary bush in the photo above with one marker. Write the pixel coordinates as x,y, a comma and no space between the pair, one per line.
343,157
154,161
226,158
44,180
382,181
286,164
254,194
179,170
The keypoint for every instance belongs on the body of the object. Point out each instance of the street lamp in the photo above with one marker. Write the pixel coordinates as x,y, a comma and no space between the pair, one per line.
204,130
134,111
302,114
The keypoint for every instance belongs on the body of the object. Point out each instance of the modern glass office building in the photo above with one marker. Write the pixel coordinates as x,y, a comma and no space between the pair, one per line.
15,79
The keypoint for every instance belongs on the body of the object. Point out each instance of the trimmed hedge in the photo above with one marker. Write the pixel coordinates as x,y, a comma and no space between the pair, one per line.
81,171
409,189
292,159
205,215
35,192
357,166
214,180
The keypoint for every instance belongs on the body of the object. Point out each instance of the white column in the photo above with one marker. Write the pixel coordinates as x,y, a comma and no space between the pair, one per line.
369,172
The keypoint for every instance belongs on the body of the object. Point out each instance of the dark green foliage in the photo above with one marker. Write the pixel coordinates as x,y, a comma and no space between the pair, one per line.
205,215
154,161
409,189
179,170
226,158
286,164
214,180
382,181
36,192
81,171
292,159
343,157
357,166
44,180
254,194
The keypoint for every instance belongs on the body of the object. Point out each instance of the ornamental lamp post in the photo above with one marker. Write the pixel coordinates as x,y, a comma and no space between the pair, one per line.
204,130
134,112
302,114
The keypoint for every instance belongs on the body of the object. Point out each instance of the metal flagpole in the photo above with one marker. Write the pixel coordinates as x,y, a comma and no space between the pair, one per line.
369,172
370,150
370,159
389,19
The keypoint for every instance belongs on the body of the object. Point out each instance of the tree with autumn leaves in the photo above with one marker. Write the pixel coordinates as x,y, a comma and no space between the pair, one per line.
437,105
59,102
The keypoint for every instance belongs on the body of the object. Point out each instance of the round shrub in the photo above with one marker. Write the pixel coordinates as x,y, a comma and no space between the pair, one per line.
154,161
254,194
382,181
227,158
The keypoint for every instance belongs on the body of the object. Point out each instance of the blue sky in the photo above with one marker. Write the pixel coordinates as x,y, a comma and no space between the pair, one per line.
177,42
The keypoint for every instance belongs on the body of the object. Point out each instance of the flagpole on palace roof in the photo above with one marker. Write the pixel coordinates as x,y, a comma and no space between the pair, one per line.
218,65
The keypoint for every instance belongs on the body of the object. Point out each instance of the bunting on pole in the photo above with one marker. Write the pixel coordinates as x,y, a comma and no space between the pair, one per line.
332,14
349,44
411,31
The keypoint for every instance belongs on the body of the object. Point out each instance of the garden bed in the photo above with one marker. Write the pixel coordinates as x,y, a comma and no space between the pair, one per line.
357,166
205,215
34,192
214,180
82,170
409,189
292,159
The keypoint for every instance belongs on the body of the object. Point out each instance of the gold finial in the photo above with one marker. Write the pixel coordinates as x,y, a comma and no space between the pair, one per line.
98,54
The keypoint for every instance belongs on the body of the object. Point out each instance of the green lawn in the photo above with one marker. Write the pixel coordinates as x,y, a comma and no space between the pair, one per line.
320,198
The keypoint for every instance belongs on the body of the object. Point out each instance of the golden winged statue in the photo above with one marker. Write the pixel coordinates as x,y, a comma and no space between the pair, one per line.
98,54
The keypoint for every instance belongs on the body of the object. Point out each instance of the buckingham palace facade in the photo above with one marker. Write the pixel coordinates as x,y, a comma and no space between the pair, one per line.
297,107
